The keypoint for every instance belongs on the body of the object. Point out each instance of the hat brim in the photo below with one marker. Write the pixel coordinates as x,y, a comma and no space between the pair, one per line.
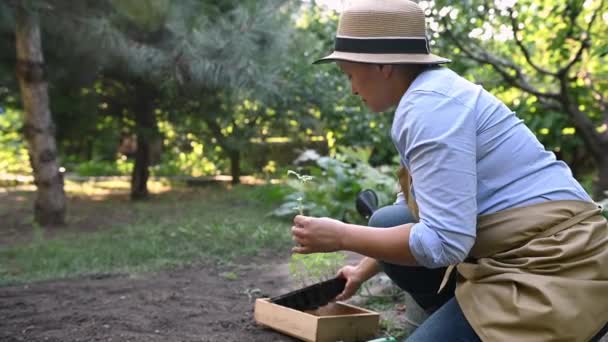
374,58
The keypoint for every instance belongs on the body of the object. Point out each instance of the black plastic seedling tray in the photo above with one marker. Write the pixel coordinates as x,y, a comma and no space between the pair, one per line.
313,296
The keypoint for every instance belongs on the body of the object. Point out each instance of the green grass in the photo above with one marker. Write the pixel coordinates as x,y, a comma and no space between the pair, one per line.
214,224
383,303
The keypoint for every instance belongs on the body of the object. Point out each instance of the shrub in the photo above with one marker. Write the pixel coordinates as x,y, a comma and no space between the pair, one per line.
336,183
97,168
13,151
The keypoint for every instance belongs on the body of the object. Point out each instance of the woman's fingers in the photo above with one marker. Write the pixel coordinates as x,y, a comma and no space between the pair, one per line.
300,220
301,250
298,231
343,296
297,219
298,235
348,292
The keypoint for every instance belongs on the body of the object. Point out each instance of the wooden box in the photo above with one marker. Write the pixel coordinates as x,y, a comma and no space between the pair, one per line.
334,322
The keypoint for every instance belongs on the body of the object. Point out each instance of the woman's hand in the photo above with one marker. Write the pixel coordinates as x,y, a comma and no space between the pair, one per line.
315,235
353,281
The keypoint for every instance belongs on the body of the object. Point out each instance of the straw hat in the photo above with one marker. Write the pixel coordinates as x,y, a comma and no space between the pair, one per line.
383,32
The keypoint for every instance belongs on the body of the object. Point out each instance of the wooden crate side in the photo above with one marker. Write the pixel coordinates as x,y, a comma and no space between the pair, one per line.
288,321
361,310
338,309
354,328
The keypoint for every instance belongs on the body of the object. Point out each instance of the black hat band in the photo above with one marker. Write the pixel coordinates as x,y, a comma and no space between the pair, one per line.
382,45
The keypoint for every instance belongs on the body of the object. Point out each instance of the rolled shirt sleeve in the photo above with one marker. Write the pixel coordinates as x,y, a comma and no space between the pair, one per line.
436,138
400,198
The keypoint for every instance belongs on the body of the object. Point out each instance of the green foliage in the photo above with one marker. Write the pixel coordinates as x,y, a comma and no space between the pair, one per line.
338,180
149,15
519,51
307,269
217,85
229,275
270,194
13,151
218,67
221,53
191,163
175,44
96,168
320,96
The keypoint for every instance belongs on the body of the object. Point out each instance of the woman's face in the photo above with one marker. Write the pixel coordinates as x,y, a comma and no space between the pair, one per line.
369,82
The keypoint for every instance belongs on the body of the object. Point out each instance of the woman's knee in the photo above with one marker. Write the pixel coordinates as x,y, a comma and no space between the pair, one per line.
391,215
448,323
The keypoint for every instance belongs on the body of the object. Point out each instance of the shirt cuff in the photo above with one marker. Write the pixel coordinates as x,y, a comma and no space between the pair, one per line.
400,199
426,247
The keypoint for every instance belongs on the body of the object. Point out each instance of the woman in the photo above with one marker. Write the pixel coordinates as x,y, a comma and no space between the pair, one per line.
529,245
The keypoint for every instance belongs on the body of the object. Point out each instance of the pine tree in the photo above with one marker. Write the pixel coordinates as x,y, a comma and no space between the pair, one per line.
190,48
169,49
38,126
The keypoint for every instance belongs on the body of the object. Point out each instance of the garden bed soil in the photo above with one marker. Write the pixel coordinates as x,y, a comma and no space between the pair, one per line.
195,303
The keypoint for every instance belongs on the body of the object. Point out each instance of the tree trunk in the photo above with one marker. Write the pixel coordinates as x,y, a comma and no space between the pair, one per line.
38,126
600,186
141,173
233,152
595,143
147,131
235,166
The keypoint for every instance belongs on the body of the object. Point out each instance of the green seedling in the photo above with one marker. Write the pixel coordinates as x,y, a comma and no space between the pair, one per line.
230,276
312,267
303,180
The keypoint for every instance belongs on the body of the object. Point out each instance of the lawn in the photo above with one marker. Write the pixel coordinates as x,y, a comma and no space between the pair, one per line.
106,233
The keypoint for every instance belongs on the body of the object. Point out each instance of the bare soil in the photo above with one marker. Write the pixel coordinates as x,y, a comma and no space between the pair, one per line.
195,303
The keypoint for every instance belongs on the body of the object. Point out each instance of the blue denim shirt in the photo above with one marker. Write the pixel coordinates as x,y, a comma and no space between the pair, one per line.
468,155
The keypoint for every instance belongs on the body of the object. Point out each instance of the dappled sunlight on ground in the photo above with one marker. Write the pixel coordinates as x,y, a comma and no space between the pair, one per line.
18,188
100,190
103,203
96,189
92,205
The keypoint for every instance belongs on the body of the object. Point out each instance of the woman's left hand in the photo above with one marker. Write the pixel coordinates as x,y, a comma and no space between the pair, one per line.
315,235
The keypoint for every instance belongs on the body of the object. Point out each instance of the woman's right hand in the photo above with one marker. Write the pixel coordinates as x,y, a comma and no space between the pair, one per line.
353,281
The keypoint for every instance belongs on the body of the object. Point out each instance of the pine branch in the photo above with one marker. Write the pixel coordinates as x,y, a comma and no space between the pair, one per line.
208,53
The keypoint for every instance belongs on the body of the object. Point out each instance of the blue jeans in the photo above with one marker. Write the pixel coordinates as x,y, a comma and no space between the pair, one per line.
447,321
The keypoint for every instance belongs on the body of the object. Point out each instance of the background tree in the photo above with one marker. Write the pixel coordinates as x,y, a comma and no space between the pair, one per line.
181,48
321,96
547,60
38,127
170,49
204,81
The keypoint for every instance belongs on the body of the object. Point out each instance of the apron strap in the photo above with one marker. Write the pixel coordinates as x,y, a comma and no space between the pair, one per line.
568,223
405,182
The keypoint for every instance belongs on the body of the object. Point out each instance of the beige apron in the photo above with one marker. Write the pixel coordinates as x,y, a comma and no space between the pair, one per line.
537,273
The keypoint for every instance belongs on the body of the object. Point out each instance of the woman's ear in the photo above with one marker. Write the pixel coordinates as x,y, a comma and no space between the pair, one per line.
386,70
